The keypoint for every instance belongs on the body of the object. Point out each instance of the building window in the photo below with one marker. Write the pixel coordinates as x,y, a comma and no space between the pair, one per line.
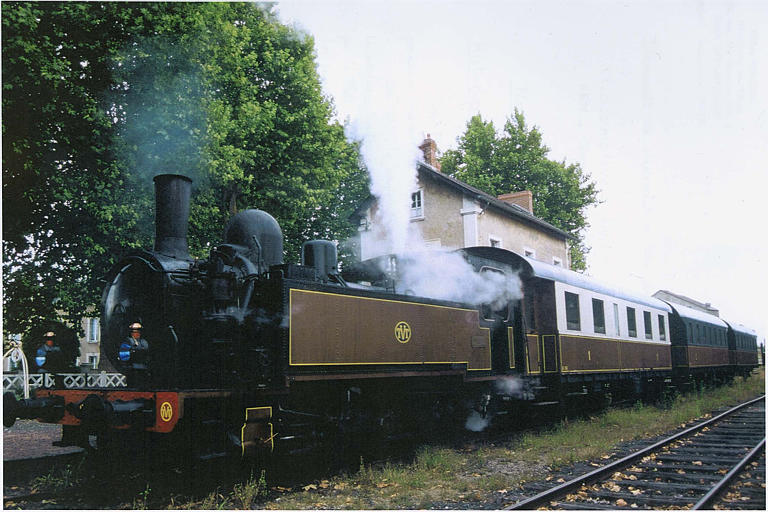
662,328
93,330
572,315
648,325
494,241
93,361
557,261
631,323
598,314
529,253
417,205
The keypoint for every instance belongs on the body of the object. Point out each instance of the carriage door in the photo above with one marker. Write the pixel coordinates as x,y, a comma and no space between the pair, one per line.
499,315
549,350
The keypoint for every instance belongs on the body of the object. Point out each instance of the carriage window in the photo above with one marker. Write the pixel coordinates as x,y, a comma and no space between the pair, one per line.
598,314
631,324
572,315
648,326
616,319
662,328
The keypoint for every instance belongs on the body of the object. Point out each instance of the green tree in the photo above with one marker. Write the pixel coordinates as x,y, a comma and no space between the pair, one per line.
99,97
516,159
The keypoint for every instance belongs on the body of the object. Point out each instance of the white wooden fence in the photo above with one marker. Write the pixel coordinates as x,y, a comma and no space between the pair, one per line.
15,381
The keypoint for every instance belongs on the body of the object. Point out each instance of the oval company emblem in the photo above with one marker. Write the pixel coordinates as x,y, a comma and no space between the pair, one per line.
403,332
166,411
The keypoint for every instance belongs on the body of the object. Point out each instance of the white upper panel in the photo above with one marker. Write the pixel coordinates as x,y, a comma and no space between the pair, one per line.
616,319
562,275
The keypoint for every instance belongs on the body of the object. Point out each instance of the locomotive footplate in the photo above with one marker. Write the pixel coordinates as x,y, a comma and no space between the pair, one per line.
96,409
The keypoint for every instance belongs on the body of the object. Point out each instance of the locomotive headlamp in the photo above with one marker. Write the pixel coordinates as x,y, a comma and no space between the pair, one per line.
124,352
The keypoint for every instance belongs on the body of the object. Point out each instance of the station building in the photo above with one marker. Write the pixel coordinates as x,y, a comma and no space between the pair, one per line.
676,298
450,214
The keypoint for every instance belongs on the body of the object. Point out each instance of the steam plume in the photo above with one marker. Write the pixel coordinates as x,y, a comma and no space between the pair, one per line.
447,276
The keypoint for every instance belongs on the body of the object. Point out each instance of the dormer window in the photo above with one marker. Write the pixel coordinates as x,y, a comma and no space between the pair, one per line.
417,205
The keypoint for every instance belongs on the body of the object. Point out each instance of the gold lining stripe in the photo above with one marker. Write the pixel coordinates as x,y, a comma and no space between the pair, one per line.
271,429
601,370
511,342
299,290
616,340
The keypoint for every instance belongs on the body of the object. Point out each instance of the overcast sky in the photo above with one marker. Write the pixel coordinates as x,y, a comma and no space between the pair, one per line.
664,103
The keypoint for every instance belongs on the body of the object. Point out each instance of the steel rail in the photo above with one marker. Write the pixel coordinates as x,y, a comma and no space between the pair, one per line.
537,500
709,498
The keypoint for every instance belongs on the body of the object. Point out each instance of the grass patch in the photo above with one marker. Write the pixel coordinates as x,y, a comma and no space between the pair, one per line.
439,477
598,436
60,479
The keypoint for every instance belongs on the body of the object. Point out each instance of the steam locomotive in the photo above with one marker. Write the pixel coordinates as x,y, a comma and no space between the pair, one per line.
248,355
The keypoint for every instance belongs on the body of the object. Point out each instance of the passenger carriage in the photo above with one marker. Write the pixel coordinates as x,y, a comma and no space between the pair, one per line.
742,346
580,336
699,346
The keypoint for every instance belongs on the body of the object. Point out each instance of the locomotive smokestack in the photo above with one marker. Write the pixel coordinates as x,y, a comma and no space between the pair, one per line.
172,193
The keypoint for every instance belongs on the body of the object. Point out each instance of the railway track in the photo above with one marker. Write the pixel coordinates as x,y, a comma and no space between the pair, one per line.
710,464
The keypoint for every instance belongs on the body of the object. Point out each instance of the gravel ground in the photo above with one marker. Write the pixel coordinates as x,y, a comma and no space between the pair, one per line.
29,439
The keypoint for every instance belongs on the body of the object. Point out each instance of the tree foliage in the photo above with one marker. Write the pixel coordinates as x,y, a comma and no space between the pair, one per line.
516,159
98,97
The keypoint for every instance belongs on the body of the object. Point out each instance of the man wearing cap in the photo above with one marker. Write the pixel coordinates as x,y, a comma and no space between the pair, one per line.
134,354
48,356
50,359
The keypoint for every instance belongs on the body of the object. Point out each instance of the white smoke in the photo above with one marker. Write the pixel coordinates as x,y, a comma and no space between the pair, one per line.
510,386
447,275
390,154
476,422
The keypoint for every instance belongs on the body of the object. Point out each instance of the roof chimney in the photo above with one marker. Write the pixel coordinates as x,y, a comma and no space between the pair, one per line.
429,148
523,199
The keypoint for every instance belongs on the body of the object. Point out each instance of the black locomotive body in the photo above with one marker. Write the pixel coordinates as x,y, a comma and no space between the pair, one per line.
248,355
